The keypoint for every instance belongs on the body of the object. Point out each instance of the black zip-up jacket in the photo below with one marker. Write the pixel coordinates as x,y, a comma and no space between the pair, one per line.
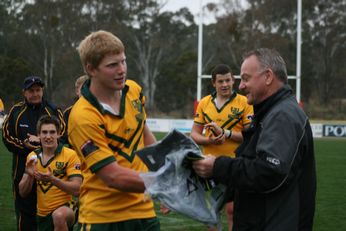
273,175
21,120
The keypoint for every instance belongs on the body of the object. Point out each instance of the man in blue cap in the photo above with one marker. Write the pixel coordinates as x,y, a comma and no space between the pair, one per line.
20,137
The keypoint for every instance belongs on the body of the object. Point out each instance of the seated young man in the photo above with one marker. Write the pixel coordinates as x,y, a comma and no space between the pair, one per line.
56,172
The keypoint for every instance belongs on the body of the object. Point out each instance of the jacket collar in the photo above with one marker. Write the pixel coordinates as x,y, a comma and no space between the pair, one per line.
35,106
262,108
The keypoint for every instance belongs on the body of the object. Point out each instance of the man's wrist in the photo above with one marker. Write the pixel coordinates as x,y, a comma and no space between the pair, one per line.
28,173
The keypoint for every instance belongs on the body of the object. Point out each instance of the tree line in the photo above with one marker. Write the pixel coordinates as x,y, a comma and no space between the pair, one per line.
40,37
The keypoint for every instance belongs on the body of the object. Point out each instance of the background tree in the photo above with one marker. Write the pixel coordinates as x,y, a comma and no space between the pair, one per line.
151,35
40,37
325,36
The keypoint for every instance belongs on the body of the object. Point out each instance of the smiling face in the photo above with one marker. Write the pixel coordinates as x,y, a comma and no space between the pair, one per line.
48,136
253,80
223,84
110,74
34,94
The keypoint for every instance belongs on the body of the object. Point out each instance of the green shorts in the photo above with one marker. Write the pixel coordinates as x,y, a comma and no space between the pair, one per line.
149,224
46,223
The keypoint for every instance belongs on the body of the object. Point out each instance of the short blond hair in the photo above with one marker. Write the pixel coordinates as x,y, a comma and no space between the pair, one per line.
78,84
93,48
80,80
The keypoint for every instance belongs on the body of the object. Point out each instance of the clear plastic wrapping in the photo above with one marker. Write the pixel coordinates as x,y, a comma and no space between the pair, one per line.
173,182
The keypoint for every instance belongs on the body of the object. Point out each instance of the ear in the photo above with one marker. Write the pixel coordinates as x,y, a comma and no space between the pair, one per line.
90,70
269,76
213,82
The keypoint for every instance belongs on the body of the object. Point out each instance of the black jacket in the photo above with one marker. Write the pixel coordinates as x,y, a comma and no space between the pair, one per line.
273,175
21,120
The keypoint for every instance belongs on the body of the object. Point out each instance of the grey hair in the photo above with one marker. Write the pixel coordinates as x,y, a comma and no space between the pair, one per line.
270,58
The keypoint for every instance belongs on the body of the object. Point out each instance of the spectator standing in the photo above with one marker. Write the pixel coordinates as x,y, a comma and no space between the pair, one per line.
19,136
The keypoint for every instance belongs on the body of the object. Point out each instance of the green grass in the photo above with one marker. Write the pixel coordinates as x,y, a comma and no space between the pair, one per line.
7,218
331,191
331,184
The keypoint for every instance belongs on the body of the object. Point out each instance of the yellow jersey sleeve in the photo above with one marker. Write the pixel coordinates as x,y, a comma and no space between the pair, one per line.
200,116
74,164
88,139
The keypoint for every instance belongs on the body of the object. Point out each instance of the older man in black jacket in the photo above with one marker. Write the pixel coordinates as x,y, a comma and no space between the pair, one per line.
274,175
19,136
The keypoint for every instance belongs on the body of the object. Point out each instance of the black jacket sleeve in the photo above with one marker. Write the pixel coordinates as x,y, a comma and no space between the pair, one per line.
12,142
265,161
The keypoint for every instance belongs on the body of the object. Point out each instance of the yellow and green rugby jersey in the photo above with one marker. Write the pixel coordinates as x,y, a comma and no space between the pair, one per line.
101,137
234,115
64,165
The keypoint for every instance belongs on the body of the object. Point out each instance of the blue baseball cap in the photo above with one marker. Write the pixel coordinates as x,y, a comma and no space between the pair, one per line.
31,80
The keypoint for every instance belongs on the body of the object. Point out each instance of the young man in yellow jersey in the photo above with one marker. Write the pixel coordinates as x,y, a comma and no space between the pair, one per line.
106,126
223,109
56,171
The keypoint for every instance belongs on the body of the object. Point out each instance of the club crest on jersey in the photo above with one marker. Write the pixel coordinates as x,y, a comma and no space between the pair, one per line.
235,110
88,147
60,169
137,104
59,165
236,113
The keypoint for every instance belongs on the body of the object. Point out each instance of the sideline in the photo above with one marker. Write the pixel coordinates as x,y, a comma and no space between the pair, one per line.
319,129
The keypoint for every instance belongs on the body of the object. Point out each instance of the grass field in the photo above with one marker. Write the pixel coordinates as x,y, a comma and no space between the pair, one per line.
331,195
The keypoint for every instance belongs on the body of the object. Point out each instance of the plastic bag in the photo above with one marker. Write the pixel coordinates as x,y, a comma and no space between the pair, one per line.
175,184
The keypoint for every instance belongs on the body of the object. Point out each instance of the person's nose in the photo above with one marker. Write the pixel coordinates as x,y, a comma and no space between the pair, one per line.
122,68
241,85
36,93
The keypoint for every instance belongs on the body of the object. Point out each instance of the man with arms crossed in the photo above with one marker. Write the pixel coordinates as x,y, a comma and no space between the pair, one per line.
274,173
106,126
58,177
226,110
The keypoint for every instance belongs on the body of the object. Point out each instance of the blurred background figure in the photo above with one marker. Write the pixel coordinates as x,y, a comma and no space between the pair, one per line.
78,85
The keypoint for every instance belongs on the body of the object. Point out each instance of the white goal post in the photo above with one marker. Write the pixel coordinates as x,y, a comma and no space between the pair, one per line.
297,77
